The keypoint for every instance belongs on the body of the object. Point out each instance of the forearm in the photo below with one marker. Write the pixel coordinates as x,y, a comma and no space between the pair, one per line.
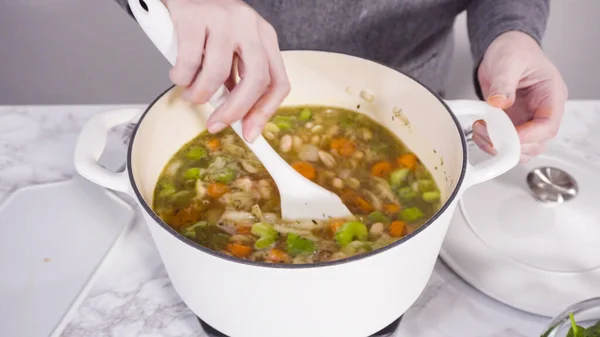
487,19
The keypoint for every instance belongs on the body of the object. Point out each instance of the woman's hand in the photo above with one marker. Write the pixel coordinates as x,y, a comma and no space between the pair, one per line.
516,76
214,38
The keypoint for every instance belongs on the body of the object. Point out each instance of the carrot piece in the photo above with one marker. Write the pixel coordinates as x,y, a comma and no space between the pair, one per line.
343,146
216,190
363,205
278,255
381,169
305,169
239,250
391,208
214,144
335,226
408,160
244,230
397,228
183,216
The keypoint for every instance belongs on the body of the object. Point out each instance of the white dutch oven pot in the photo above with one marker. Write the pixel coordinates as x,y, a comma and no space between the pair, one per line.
355,297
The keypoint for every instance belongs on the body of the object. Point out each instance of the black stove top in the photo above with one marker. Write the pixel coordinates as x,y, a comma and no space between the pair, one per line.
388,331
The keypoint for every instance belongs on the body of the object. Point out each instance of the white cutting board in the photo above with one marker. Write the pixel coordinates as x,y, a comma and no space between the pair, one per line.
53,238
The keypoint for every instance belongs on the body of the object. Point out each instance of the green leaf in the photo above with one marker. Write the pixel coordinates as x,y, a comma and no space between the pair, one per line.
190,231
576,330
297,245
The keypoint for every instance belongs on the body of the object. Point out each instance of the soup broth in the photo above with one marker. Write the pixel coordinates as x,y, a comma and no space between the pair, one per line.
215,191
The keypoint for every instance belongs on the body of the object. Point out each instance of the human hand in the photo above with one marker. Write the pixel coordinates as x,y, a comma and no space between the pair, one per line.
516,76
214,38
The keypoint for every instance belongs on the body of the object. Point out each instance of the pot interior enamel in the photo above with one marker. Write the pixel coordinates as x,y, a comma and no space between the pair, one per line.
354,297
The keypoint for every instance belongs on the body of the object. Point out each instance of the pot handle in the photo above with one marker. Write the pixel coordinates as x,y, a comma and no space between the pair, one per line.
91,142
502,133
155,20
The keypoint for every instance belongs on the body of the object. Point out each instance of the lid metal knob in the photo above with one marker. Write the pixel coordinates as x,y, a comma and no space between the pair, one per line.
552,185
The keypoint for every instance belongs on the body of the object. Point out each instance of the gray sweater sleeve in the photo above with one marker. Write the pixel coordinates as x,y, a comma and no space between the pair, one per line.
123,3
486,19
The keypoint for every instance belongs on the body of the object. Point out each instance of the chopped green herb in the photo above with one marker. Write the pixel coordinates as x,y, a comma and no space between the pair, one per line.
297,245
190,231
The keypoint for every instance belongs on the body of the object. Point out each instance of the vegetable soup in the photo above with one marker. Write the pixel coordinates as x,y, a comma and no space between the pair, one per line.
216,192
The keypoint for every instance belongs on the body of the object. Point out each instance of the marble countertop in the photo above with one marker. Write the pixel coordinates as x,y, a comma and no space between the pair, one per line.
133,296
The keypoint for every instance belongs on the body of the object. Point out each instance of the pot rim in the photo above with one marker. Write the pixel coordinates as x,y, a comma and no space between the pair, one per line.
148,209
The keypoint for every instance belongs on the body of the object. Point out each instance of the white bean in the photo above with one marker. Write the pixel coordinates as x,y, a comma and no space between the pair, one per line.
333,130
271,127
269,135
345,173
376,230
315,139
338,183
338,256
309,125
172,169
367,96
297,141
353,183
264,188
237,216
286,143
248,167
200,189
316,129
308,152
326,159
358,155
367,134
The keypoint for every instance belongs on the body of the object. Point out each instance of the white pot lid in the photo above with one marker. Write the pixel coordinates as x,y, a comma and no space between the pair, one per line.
530,238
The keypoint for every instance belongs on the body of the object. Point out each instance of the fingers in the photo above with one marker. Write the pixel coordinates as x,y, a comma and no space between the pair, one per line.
482,138
547,115
189,56
483,141
278,89
499,75
216,67
248,90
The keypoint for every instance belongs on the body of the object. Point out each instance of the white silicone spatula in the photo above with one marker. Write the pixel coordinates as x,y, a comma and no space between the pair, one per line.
300,197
